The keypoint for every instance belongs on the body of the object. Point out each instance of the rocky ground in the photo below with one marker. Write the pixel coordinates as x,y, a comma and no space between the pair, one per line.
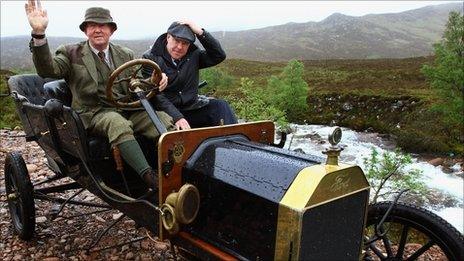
67,238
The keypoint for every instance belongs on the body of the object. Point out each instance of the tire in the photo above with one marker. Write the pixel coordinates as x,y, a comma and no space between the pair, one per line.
409,228
20,195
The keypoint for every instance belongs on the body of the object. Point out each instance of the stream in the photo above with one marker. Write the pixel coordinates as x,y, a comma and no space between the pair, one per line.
312,139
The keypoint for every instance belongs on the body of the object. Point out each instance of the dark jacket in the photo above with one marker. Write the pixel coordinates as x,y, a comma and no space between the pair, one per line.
182,89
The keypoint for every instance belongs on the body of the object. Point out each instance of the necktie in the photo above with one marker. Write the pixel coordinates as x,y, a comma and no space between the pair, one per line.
102,56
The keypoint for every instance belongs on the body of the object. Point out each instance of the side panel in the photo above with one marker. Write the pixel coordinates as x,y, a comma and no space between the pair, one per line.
234,220
174,148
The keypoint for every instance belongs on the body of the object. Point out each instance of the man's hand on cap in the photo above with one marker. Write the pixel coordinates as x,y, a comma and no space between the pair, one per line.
195,28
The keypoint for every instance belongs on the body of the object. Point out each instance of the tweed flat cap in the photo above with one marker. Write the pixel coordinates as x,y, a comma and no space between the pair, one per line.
97,15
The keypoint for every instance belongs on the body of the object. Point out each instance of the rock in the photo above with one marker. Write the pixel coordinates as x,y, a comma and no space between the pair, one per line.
40,219
100,219
447,169
124,248
77,241
51,259
347,106
31,168
436,161
145,244
161,246
18,257
89,198
67,248
118,215
129,256
129,222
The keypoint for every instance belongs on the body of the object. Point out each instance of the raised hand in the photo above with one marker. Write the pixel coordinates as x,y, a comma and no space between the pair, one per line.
194,27
37,16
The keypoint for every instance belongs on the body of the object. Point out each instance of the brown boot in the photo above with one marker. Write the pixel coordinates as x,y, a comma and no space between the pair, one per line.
151,179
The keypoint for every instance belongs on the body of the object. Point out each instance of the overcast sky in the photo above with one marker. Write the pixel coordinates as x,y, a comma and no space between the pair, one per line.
141,19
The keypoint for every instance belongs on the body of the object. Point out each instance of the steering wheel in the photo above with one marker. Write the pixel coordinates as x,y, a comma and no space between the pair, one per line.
135,83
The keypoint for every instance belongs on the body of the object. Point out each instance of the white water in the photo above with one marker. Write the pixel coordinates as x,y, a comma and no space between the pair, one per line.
358,145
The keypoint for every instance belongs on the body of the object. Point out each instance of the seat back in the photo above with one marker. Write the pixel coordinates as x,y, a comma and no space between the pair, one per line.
58,89
29,87
27,90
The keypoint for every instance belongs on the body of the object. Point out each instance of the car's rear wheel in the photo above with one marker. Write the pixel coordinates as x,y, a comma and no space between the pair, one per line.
20,195
410,233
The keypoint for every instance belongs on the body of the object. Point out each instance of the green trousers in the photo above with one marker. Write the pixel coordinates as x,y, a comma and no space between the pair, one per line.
120,128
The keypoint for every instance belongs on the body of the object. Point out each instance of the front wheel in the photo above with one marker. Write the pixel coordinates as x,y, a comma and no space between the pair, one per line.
20,195
410,233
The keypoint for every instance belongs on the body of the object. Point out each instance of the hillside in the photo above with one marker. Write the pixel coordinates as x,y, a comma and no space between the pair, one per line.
397,35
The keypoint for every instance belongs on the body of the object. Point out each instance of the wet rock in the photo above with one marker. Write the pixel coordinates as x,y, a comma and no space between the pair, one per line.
51,259
436,161
129,222
447,169
162,246
145,244
40,219
100,219
31,168
347,106
129,256
117,215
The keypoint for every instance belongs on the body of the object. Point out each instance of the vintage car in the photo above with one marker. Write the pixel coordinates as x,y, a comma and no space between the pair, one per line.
225,192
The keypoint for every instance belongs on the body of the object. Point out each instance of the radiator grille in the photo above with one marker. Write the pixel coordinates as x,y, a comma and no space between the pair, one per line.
333,231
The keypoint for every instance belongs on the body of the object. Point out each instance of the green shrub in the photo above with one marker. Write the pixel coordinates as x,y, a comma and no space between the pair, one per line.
387,176
253,107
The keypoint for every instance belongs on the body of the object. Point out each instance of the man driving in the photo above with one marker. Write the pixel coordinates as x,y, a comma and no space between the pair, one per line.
86,67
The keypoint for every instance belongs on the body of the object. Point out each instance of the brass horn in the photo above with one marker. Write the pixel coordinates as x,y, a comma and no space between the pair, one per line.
180,207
